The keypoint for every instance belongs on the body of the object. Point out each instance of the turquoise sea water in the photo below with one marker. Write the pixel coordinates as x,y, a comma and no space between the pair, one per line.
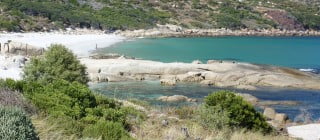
296,52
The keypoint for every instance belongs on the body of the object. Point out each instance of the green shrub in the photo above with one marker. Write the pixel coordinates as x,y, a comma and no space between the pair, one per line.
241,114
56,84
57,63
213,117
15,125
106,130
11,84
74,106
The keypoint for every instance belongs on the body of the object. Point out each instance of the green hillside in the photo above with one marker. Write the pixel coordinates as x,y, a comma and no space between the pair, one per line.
42,15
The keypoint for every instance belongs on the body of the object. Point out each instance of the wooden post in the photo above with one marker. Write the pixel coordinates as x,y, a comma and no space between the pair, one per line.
9,41
0,47
4,47
26,49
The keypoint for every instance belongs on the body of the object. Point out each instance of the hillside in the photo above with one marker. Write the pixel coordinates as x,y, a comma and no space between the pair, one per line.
35,15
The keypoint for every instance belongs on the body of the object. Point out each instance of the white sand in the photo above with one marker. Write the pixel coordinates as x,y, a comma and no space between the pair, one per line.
9,69
80,44
306,132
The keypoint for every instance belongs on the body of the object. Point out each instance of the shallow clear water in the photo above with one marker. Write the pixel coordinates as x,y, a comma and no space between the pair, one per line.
151,90
296,52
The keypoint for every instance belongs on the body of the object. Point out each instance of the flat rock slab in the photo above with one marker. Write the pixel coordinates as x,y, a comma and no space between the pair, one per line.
225,74
306,132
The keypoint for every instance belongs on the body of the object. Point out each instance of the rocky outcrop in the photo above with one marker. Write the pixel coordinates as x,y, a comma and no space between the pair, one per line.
225,74
249,98
286,103
168,82
269,113
176,98
265,103
284,19
277,120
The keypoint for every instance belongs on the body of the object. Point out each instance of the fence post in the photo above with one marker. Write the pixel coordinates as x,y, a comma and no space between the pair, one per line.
26,49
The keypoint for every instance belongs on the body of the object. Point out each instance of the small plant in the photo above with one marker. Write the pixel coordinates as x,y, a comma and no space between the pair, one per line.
15,125
240,113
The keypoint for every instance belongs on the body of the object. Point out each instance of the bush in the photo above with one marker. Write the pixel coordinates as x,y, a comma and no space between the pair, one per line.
241,114
57,63
74,106
62,98
106,130
15,125
213,117
11,84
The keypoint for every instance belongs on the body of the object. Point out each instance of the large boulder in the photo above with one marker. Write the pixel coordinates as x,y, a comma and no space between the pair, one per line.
286,103
191,77
207,82
176,98
269,113
196,62
214,61
168,82
281,118
249,98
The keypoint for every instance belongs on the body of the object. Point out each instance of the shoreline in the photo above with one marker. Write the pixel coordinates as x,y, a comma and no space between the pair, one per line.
162,31
80,41
14,53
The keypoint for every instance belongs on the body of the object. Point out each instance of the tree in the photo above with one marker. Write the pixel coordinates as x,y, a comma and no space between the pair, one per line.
57,63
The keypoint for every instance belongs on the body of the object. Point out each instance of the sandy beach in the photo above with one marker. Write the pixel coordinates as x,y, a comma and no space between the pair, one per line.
81,42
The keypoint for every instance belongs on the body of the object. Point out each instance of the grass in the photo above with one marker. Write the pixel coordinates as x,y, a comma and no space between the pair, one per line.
48,131
152,128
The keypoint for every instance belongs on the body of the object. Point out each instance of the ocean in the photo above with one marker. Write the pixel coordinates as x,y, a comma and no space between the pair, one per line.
295,52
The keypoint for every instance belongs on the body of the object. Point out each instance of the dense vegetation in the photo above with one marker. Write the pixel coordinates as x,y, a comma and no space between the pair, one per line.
15,125
111,15
58,89
42,15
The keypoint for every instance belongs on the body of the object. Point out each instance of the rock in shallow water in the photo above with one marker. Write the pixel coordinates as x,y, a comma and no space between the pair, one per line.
168,82
176,98
269,113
